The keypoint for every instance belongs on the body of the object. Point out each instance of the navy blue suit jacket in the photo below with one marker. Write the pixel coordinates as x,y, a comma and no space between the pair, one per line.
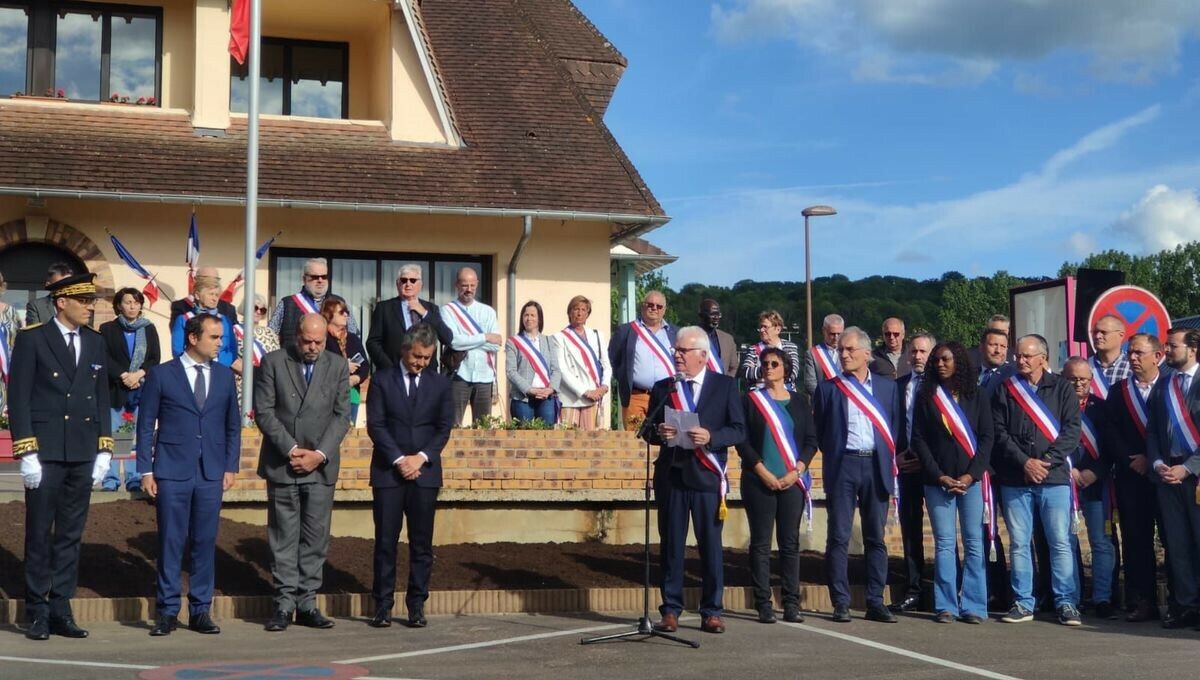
720,412
188,439
1158,431
829,414
620,354
398,428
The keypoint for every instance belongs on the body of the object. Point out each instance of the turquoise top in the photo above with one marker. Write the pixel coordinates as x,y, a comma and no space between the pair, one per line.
772,457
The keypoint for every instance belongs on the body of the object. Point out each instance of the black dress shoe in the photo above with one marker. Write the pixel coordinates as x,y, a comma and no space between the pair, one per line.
791,614
65,626
203,623
39,628
163,626
766,614
382,618
278,622
313,618
880,613
841,614
1179,621
908,604
416,618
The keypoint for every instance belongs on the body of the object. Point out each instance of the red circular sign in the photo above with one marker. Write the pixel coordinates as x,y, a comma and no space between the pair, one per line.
1138,308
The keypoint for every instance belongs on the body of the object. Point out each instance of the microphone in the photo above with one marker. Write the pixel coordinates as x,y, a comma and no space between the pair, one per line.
677,378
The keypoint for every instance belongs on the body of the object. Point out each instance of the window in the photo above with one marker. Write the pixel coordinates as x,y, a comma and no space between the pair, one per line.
299,78
85,52
365,278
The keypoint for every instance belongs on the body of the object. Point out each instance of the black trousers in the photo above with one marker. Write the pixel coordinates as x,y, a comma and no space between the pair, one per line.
1137,510
912,531
478,395
55,515
773,514
1181,529
391,506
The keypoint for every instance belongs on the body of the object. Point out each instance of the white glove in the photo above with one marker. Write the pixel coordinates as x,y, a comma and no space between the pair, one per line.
31,471
103,460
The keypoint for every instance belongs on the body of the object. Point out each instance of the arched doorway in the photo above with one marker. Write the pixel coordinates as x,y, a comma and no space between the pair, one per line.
24,268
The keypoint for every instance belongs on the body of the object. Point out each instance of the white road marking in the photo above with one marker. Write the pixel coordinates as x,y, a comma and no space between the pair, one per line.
89,664
900,651
481,645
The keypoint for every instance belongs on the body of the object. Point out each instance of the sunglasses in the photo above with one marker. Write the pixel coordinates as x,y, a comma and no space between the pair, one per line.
408,280
262,310
317,277
773,364
652,305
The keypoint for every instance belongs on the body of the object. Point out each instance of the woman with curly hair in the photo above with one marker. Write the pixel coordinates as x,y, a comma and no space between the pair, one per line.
952,435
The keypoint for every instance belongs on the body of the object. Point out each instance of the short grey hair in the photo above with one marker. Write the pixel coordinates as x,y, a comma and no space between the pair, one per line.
316,260
927,336
697,333
833,320
409,269
421,334
1042,346
860,337
1077,361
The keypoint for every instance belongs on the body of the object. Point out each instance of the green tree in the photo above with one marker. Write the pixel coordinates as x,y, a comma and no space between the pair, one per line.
968,303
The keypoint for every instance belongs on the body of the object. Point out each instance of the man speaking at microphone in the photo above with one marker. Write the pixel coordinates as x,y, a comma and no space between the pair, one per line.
689,481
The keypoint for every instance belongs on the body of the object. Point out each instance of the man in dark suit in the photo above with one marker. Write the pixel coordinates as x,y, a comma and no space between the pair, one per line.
62,435
857,415
891,360
1175,463
187,466
690,481
991,362
1128,410
302,408
912,490
640,353
42,309
391,319
409,416
724,349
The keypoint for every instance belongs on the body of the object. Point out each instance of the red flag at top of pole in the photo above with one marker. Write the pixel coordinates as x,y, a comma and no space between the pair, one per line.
239,30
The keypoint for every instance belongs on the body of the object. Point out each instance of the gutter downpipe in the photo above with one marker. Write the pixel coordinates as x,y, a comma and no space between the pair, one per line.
526,230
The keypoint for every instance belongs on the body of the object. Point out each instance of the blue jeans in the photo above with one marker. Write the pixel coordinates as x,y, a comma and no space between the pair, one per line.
942,506
1053,504
535,408
112,480
1104,554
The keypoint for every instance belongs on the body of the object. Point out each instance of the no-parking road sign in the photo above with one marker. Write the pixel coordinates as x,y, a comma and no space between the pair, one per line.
1138,308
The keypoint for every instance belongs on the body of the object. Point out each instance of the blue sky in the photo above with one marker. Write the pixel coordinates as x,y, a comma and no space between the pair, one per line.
968,135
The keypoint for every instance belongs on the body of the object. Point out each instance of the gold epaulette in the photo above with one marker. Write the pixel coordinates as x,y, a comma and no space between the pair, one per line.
31,326
106,445
24,446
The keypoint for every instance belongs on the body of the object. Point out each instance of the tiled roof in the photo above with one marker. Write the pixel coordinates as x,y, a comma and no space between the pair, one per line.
532,139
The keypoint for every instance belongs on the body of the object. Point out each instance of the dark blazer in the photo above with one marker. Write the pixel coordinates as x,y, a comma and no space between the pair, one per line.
1125,439
354,345
290,412
620,355
939,451
1082,460
882,365
903,436
1158,442
720,411
1018,439
118,358
41,310
399,428
188,437
829,414
387,330
804,433
54,404
184,305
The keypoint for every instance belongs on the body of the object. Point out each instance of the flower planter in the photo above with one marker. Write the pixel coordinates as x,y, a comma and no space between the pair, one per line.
6,445
122,444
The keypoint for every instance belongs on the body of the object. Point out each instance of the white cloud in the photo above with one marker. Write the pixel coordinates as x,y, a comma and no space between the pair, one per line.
1162,219
1082,244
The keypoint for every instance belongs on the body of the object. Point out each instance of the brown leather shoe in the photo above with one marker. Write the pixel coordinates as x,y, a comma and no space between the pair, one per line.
713,624
669,623
1144,611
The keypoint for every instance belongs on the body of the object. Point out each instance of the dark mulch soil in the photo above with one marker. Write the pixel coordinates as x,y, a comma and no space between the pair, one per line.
119,550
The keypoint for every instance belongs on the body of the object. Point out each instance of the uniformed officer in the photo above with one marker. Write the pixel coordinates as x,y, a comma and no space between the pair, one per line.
61,426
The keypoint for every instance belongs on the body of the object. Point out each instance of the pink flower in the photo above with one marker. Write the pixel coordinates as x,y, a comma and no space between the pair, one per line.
61,94
141,100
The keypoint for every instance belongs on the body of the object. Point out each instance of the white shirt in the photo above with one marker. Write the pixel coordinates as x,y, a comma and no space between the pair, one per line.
697,384
1144,390
860,433
422,454
67,340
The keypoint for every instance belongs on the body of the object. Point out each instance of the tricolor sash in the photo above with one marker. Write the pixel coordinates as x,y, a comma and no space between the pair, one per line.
187,316
306,305
1186,433
858,394
1033,407
682,399
714,365
1087,437
1136,405
1100,384
469,326
655,346
258,352
825,360
529,350
960,429
591,360
1076,511
773,415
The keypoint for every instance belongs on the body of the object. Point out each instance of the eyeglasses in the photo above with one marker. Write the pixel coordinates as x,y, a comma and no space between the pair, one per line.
407,280
713,315
653,305
685,350
1080,381
1099,331
892,334
773,364
1030,357
317,277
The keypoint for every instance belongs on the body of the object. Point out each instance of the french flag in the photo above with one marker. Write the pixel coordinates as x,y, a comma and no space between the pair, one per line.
192,255
227,295
151,289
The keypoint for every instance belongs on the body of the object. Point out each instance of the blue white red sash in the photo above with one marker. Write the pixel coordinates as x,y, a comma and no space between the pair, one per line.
1186,433
655,346
591,360
4,356
714,365
469,326
682,400
1087,436
860,396
825,359
1033,406
773,415
1100,384
306,305
541,368
1136,405
258,352
960,429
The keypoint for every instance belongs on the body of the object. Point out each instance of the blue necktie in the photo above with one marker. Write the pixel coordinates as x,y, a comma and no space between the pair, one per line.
308,368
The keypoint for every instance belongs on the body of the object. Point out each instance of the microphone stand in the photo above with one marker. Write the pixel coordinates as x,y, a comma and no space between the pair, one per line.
644,628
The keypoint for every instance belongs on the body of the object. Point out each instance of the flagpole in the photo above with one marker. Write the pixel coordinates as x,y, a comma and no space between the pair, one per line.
253,52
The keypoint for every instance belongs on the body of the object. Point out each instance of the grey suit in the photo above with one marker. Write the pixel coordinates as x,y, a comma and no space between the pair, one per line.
40,310
314,415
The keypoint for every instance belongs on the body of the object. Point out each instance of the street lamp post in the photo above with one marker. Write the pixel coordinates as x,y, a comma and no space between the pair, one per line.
811,211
